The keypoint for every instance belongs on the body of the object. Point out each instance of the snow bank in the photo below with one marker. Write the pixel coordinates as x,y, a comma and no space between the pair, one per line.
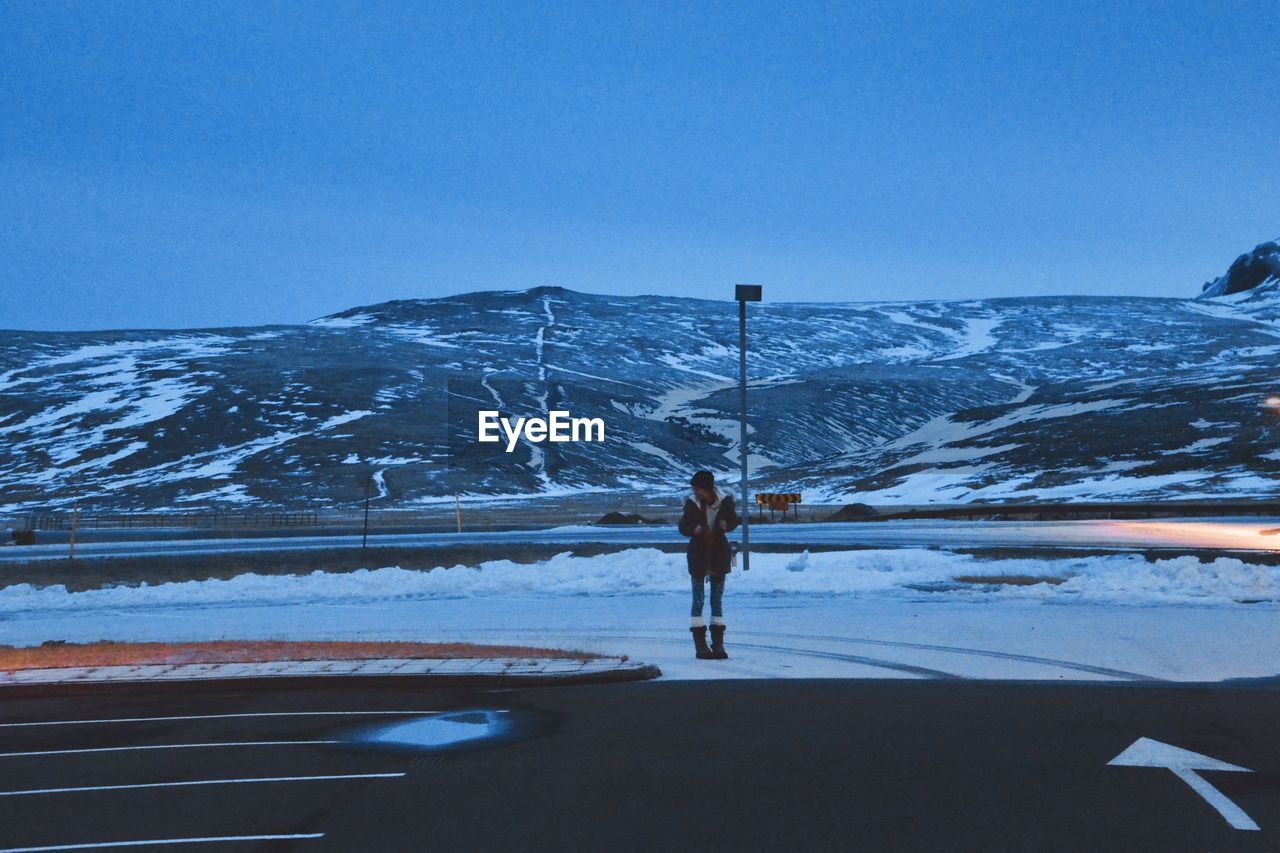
643,571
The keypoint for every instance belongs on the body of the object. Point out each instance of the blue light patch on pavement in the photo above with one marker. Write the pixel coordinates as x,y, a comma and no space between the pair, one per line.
440,731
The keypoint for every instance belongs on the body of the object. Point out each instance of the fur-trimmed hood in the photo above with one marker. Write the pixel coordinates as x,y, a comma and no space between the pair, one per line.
721,494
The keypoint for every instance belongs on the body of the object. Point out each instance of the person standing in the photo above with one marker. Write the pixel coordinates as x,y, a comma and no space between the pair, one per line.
708,515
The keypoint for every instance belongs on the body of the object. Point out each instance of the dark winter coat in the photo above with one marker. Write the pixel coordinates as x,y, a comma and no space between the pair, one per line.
707,559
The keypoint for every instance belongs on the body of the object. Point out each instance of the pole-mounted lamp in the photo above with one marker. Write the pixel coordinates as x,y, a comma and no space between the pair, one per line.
744,293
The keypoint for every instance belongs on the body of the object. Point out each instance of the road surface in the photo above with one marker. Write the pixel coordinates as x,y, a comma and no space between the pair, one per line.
1256,535
672,766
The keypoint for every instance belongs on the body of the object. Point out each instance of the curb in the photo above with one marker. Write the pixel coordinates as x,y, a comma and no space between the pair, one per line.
412,672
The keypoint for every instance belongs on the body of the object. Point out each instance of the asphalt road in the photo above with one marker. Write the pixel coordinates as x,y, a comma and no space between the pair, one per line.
670,766
1222,534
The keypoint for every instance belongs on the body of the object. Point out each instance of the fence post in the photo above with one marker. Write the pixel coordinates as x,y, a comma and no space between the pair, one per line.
364,543
75,519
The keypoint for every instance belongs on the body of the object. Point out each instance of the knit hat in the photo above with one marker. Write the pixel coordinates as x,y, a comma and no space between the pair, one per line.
703,480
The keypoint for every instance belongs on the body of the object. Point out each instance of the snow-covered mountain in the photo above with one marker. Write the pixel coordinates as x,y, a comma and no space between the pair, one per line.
1108,398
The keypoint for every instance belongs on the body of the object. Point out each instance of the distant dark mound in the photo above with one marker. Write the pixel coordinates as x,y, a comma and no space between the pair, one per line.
23,537
623,518
853,512
551,290
1248,271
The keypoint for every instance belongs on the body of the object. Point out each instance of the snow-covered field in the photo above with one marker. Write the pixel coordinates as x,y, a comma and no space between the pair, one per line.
869,613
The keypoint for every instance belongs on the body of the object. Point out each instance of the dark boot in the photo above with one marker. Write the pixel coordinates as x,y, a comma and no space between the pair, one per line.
700,642
717,643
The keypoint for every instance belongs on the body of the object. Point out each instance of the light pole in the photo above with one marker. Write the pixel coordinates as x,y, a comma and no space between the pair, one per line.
744,293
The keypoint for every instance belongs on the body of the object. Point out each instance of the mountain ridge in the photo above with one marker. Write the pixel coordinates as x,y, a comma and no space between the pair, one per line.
1060,398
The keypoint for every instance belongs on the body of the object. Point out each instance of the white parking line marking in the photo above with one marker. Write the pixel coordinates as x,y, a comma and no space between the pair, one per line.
211,717
170,746
157,841
31,791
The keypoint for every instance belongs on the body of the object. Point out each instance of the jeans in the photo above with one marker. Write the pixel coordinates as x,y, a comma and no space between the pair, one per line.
717,596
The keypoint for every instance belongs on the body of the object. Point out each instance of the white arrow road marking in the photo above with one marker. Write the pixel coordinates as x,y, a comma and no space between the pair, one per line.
1145,752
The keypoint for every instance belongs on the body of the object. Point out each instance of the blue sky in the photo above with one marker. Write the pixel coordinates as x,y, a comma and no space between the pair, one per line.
207,164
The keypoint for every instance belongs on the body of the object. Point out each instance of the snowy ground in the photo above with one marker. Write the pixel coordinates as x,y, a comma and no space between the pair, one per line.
872,614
